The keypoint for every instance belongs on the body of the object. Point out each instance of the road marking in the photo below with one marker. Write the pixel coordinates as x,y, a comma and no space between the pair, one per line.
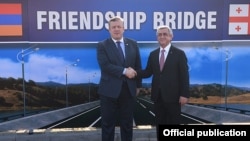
95,122
152,113
193,119
72,118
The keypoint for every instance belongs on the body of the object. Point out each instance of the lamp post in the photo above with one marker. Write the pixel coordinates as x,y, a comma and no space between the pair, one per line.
73,64
228,56
89,85
89,89
22,54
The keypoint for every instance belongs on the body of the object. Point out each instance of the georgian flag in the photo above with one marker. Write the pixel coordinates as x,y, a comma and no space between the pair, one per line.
239,19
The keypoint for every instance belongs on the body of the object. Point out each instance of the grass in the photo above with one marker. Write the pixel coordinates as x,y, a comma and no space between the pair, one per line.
12,97
239,99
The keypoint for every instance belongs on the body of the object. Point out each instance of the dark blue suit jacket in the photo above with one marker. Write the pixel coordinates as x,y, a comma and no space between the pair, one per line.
111,67
174,78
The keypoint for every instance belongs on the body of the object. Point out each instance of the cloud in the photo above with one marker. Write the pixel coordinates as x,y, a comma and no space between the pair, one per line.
43,68
8,68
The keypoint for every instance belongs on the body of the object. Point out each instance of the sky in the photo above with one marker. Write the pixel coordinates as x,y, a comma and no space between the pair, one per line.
206,60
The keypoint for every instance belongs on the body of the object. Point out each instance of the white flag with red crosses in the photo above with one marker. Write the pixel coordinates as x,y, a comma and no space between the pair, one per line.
239,19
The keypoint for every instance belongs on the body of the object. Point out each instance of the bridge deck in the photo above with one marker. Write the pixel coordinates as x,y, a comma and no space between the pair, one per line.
74,134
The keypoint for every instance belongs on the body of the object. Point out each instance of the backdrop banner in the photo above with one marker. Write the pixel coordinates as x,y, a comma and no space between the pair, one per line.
87,21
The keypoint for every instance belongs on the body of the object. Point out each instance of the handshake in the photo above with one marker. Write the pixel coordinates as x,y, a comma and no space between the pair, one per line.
130,73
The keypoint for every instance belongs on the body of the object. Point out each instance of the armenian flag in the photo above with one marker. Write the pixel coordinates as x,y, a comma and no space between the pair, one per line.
11,19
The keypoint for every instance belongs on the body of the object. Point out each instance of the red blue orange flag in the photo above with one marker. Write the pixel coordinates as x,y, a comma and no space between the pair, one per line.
11,19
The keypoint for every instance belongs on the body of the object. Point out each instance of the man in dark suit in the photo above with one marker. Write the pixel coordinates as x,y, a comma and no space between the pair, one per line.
117,87
170,82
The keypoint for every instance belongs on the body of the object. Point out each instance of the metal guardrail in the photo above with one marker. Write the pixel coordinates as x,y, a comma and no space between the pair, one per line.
235,110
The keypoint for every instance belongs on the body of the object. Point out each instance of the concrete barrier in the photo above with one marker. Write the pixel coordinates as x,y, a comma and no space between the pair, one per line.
44,119
216,116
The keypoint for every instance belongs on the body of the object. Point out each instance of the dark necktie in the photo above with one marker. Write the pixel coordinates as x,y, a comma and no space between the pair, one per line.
120,50
162,58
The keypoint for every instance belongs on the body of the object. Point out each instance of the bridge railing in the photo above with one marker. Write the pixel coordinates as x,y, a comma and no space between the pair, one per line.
16,115
40,120
236,110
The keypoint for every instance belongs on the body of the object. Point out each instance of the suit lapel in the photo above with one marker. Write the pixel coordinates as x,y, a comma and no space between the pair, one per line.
156,59
127,50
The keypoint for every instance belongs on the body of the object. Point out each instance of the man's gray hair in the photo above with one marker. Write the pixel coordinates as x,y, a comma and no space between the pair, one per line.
164,27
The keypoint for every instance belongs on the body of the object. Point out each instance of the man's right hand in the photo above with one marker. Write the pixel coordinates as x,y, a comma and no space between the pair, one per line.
130,73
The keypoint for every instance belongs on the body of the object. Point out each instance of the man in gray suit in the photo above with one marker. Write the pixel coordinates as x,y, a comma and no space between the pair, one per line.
170,81
117,87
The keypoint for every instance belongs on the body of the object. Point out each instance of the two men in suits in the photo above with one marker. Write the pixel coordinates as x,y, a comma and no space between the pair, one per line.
170,85
117,87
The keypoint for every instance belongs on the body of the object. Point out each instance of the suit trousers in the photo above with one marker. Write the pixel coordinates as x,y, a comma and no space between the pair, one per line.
117,111
166,113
